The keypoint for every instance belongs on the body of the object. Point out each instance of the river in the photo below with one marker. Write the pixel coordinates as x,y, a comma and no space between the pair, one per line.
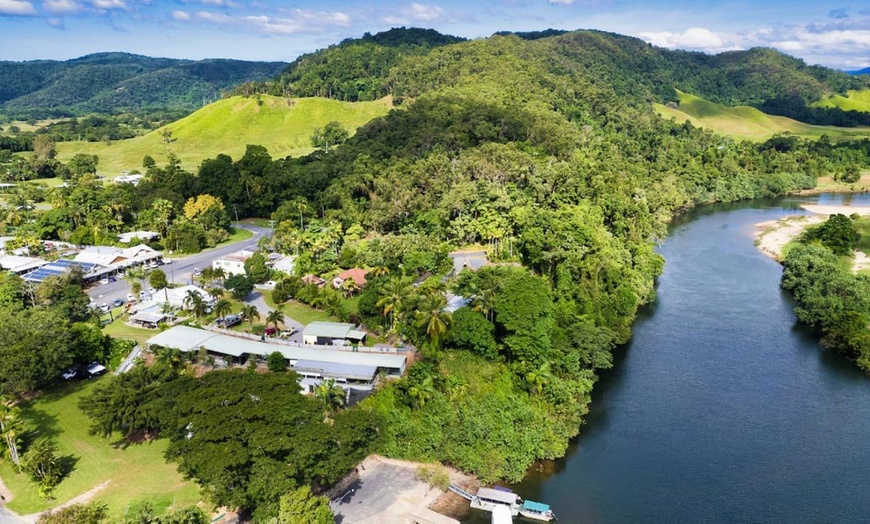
721,408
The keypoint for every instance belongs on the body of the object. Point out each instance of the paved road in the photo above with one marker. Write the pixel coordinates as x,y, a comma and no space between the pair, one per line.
7,517
256,298
181,269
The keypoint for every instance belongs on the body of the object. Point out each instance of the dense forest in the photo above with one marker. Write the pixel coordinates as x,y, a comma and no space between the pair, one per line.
638,72
114,83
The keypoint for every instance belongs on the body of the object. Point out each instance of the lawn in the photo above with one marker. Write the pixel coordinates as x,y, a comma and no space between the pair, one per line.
119,329
237,235
300,312
137,472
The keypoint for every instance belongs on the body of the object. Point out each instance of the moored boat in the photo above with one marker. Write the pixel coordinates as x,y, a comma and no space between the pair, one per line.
536,511
487,499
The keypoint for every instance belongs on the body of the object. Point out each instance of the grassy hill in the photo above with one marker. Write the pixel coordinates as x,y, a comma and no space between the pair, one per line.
748,123
853,101
228,126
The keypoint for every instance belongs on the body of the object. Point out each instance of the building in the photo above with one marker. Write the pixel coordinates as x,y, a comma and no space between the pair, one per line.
174,296
349,369
332,334
472,260
108,256
132,236
128,179
234,263
356,274
19,264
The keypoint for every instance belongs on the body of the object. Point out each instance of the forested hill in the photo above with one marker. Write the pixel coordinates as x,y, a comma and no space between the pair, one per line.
865,71
117,82
639,73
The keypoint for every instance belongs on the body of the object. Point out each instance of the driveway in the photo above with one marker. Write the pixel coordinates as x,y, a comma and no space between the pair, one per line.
181,269
256,298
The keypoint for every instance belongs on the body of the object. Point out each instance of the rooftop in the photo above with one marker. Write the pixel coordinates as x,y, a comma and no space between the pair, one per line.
185,338
332,330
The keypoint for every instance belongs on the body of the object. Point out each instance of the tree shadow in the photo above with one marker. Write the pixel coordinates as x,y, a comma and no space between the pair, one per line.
67,465
39,424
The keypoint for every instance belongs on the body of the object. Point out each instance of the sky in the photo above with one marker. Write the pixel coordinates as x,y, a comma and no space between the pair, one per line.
832,34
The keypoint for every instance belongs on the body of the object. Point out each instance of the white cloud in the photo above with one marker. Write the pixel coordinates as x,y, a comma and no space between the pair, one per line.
416,13
60,6
299,21
17,8
695,38
108,4
181,15
561,2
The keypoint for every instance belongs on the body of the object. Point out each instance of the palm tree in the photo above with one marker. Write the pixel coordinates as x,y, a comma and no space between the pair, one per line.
170,357
349,287
379,271
195,303
219,274
207,275
537,378
274,317
135,289
421,392
222,308
250,313
432,317
392,298
216,293
10,422
330,394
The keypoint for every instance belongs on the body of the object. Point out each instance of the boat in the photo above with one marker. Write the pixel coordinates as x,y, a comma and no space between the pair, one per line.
536,511
488,499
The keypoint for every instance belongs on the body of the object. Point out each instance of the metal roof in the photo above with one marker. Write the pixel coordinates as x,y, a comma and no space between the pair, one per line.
327,329
333,369
150,318
496,495
188,339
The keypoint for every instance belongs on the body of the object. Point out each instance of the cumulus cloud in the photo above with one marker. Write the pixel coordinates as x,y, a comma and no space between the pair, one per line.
60,6
108,4
17,8
181,15
695,38
297,21
416,13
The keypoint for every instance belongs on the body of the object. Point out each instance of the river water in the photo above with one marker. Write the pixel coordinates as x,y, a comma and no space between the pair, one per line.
721,408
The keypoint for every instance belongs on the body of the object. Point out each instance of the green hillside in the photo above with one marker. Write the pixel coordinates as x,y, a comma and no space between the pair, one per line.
748,123
119,82
853,101
227,126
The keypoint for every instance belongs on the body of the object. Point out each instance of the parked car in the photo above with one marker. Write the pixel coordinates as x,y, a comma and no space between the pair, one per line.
167,260
104,281
131,297
113,279
289,332
104,307
228,321
152,291
154,264
69,374
118,302
197,272
270,331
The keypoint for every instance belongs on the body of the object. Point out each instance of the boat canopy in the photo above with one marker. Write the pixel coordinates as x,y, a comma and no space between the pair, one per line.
497,496
536,506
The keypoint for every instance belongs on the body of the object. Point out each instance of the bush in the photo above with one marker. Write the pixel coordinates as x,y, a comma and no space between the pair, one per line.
275,362
240,286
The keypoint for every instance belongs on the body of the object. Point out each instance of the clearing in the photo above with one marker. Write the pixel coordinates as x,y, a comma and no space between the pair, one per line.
748,123
282,126
128,474
853,101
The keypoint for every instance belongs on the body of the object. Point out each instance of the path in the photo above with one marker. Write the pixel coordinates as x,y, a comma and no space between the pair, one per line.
7,516
256,298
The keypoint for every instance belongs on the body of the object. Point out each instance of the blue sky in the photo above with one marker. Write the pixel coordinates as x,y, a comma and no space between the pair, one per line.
836,35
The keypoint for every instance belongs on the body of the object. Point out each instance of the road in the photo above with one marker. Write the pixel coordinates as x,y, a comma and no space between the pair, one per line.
7,517
181,269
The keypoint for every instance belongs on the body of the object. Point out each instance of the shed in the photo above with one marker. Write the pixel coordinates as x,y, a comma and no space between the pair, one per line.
148,318
332,333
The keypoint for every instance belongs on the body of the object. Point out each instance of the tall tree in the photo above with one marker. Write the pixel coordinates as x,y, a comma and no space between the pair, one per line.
250,313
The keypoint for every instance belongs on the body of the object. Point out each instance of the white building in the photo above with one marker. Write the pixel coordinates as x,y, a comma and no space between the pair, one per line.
175,297
109,256
126,238
128,179
234,263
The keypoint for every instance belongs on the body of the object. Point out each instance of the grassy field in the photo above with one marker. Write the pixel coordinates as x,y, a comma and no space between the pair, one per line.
748,123
119,329
137,472
853,101
228,126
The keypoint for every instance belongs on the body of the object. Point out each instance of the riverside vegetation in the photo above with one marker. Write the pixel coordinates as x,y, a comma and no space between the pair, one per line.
545,150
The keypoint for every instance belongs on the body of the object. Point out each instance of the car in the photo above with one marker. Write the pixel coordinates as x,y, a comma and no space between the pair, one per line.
167,260
104,307
130,297
228,321
118,302
197,272
69,374
270,331
152,291
289,332
104,281
142,295
113,279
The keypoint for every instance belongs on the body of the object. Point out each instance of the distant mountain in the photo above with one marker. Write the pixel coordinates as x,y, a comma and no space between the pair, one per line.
865,71
117,82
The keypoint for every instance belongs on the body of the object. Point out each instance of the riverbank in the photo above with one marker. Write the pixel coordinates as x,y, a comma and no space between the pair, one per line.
827,184
773,236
